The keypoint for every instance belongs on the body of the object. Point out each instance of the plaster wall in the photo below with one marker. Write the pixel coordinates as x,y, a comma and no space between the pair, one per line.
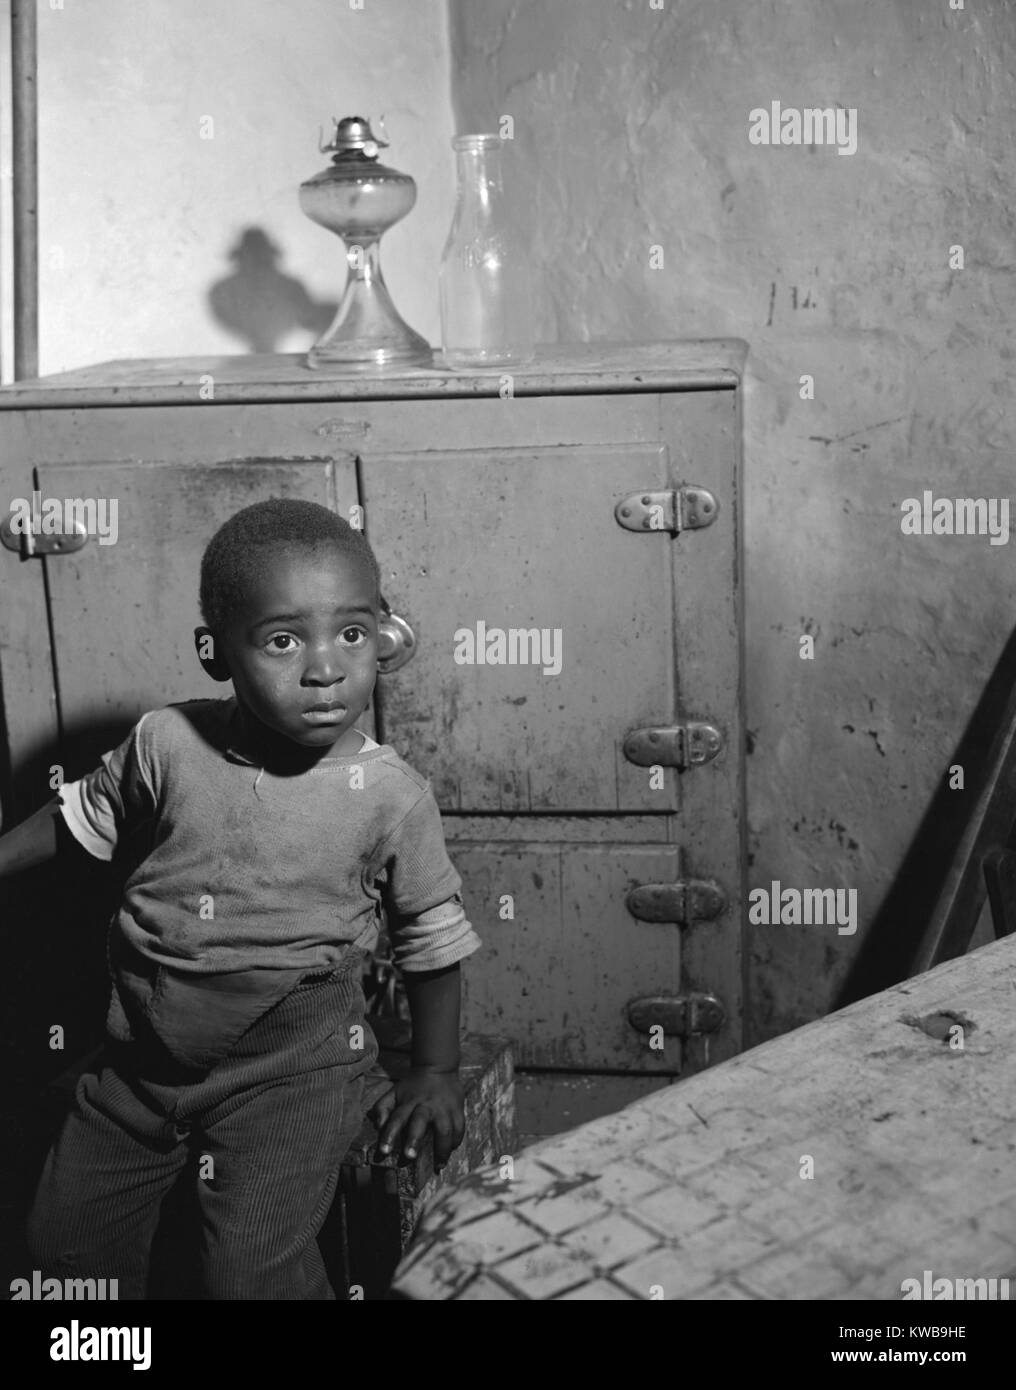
631,132
169,127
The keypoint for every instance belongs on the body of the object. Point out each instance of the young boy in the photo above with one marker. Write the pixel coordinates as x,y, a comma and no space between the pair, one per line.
274,831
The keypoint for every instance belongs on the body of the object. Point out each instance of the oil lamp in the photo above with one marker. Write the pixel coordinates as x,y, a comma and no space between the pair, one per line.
358,199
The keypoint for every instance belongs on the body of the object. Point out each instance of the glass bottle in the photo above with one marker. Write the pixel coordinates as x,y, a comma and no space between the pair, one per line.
486,314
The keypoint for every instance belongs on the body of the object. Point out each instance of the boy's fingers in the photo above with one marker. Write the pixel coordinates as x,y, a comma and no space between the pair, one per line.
417,1128
390,1131
412,1120
382,1108
444,1140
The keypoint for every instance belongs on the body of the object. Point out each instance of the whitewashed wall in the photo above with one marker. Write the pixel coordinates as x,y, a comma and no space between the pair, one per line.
139,213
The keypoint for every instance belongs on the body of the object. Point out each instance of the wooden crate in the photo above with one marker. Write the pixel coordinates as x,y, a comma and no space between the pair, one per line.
380,1199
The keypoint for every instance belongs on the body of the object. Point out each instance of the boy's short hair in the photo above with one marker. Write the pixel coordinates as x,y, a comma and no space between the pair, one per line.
236,552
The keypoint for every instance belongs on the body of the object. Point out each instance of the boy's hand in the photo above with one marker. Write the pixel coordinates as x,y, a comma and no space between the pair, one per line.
422,1099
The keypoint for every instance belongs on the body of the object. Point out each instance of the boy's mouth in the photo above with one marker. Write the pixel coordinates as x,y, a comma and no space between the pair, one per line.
332,713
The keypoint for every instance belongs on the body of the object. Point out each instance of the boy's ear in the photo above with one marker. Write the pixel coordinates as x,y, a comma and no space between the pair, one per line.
208,655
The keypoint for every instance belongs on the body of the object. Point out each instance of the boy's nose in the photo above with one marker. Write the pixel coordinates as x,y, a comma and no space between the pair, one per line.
324,667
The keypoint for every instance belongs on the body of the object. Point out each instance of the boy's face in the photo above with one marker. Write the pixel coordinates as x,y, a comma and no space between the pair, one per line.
302,649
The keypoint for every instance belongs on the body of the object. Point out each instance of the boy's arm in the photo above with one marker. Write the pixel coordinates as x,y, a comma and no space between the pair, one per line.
32,842
431,1094
430,934
91,811
434,997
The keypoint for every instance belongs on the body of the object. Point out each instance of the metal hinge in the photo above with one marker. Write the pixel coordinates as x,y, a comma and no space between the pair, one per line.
698,900
687,508
680,1015
30,543
674,745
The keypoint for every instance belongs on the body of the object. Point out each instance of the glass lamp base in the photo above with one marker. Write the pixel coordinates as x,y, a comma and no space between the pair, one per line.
360,356
368,333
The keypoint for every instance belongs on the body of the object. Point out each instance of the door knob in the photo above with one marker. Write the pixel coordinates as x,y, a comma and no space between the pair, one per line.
396,641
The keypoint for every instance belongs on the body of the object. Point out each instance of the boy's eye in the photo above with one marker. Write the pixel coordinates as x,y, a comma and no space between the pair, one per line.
279,641
353,636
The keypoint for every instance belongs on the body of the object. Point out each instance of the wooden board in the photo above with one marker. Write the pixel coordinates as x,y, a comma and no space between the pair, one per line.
686,365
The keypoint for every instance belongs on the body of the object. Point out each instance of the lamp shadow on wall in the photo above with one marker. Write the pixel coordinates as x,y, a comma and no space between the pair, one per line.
261,305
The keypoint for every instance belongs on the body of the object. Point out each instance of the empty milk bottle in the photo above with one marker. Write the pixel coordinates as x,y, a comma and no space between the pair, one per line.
486,317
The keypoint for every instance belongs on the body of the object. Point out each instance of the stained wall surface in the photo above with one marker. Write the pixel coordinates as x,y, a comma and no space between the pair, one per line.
169,128
631,132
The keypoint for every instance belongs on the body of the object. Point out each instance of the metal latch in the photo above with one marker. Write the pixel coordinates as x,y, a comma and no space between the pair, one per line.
687,508
674,745
396,640
697,900
680,1015
29,543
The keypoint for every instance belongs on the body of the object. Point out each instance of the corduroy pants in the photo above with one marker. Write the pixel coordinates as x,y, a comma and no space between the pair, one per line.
268,1126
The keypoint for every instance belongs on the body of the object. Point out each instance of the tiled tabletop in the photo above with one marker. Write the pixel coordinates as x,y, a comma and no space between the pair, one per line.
704,1189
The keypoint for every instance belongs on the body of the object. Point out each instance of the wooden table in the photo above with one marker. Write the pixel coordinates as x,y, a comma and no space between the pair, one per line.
871,1148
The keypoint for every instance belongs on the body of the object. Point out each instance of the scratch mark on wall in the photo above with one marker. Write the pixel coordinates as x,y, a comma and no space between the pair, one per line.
839,438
